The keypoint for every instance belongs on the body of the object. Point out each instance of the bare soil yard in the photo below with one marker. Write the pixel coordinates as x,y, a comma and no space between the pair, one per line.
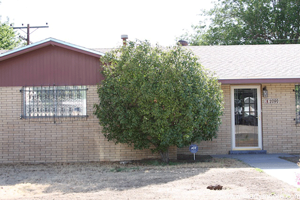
294,159
141,181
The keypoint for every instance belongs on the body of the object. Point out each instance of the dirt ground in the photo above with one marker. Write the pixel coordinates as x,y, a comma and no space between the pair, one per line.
141,181
294,159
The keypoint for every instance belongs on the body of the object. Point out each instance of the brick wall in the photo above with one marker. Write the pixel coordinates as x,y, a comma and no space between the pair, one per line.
67,140
280,133
222,144
72,140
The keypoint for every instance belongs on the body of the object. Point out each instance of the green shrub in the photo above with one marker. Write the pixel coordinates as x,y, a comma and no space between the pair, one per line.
156,98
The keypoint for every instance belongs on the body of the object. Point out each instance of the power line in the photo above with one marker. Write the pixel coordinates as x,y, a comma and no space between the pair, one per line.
28,30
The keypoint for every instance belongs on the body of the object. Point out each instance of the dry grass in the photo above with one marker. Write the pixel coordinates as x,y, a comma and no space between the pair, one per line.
140,181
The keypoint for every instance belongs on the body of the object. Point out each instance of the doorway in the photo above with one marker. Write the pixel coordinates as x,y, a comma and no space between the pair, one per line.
246,118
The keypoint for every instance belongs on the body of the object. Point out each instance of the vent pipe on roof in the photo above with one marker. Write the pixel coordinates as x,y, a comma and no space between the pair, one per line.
124,38
183,43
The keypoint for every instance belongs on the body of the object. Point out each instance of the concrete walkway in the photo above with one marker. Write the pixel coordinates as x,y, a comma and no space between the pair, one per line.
270,164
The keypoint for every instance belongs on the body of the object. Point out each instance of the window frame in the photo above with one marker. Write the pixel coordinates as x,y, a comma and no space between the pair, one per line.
53,102
297,104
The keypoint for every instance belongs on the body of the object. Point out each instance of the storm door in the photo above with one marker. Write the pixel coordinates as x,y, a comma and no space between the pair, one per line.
246,118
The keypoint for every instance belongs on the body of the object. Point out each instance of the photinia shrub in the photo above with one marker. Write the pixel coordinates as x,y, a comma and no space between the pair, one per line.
155,97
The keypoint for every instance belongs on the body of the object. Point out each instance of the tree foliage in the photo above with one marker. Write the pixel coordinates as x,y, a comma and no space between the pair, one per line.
156,98
234,22
8,38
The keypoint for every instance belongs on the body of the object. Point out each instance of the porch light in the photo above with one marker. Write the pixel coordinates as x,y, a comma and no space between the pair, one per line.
265,92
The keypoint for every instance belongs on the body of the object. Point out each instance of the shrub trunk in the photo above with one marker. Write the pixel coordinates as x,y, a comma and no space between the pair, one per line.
165,156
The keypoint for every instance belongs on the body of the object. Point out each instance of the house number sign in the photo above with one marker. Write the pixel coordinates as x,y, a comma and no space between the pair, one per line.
272,101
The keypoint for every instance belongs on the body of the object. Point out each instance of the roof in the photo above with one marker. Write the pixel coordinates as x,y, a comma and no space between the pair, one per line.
46,42
249,63
3,51
103,50
263,63
231,64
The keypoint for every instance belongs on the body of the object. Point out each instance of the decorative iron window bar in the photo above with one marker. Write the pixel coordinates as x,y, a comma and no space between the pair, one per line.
53,101
297,100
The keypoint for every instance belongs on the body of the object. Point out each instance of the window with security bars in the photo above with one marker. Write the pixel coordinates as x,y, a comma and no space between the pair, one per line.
53,101
297,95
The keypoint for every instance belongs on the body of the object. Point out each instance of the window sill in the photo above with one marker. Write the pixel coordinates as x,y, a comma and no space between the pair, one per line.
52,117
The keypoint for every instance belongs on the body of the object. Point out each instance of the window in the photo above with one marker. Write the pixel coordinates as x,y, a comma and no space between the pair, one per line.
297,96
53,101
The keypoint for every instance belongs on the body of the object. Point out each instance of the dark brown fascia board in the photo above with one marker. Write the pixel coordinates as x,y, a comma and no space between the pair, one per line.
259,81
53,43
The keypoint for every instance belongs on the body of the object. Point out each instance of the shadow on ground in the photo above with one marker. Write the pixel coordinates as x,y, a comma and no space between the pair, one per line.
294,159
189,158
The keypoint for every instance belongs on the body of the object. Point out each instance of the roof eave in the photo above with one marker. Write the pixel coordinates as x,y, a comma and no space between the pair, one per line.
47,42
259,80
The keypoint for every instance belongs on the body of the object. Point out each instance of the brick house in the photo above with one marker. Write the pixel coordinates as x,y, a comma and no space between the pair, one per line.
261,98
47,93
48,89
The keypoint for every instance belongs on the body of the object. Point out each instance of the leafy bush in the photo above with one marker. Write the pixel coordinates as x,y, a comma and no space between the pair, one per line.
156,98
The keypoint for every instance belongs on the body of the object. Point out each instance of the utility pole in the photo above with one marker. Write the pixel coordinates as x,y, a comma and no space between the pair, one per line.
28,31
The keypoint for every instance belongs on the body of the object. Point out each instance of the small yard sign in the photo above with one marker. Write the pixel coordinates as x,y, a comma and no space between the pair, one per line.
193,149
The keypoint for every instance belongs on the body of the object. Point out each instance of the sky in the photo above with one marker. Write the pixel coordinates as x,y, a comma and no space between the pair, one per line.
100,23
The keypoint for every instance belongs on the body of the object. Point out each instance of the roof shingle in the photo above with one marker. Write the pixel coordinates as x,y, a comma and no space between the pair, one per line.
250,61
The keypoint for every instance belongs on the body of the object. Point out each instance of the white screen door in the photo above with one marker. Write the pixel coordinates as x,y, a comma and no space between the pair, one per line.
246,118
